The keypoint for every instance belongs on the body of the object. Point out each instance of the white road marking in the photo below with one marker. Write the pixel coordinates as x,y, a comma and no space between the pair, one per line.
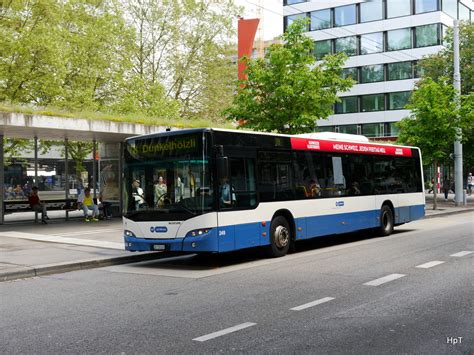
430,264
311,304
384,279
461,253
224,331
62,240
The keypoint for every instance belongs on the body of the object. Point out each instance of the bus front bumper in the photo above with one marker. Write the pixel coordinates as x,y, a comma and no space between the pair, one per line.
207,243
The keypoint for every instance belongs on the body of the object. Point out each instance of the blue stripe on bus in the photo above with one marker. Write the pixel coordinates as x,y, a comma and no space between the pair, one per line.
241,236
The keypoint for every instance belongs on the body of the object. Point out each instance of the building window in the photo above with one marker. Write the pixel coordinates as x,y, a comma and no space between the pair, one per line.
372,103
371,10
399,39
347,45
348,129
419,71
371,73
345,15
371,43
348,104
398,100
425,6
292,18
321,48
390,129
350,73
372,129
400,71
451,8
325,128
397,8
464,13
427,35
320,19
292,2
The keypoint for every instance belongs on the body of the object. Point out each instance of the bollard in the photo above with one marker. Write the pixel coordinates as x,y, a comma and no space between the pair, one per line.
464,197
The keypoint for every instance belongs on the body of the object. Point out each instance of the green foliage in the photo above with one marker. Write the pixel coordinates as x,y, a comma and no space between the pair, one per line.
433,121
288,90
440,65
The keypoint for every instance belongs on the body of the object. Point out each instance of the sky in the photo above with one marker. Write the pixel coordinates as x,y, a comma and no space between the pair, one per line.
272,15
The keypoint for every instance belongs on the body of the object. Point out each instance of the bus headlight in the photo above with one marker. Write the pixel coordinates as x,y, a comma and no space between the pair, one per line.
129,234
198,232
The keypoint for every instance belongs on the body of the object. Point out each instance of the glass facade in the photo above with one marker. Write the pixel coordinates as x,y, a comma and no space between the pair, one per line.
372,73
372,130
320,19
464,13
397,8
399,71
345,15
371,103
321,48
399,39
347,45
427,35
292,18
347,105
450,7
350,73
348,129
398,100
371,10
425,6
371,43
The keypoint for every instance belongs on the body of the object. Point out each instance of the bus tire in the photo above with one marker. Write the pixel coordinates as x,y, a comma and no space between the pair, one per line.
280,237
386,221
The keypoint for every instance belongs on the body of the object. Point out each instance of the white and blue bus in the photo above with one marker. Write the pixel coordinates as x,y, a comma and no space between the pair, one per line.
215,190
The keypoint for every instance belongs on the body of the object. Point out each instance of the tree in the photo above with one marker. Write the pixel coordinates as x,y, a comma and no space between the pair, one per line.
288,90
433,121
440,65
183,45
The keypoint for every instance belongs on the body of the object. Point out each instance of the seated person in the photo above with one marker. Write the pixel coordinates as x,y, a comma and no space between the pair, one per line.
355,188
137,194
86,202
37,205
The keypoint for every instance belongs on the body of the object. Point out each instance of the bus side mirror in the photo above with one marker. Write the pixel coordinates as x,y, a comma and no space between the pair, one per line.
222,167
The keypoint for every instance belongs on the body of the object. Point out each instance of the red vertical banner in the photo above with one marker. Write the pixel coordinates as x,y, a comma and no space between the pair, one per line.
246,35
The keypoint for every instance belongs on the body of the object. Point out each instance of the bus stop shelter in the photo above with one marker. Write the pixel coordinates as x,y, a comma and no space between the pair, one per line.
40,127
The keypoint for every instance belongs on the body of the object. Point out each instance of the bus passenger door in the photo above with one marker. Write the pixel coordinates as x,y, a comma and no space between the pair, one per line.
241,229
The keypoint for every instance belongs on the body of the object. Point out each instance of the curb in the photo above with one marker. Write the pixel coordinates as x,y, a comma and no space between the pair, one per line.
449,213
57,268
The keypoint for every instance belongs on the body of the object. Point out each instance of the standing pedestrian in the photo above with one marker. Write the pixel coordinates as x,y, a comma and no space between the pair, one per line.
446,186
470,182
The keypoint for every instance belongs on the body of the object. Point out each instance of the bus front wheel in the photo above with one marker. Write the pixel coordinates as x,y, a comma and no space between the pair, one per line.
386,221
280,237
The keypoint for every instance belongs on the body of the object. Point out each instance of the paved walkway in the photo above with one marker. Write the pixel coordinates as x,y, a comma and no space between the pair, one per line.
29,249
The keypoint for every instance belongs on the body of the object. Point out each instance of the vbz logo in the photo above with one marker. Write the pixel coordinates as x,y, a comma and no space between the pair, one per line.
158,229
339,203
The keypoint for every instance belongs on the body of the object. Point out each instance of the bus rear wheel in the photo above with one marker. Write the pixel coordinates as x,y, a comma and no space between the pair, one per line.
386,221
280,237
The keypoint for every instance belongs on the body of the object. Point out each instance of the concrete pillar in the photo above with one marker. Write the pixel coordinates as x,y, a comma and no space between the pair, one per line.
66,179
94,167
2,182
120,176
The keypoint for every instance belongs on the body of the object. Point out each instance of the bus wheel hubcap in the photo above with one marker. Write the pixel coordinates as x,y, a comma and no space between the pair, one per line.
282,237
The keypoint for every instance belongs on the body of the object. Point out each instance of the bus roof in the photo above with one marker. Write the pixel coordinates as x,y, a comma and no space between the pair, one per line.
320,136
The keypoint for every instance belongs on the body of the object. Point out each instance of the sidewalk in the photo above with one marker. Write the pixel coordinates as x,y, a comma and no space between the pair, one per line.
31,249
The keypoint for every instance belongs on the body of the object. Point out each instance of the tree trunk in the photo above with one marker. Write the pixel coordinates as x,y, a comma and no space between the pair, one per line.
435,185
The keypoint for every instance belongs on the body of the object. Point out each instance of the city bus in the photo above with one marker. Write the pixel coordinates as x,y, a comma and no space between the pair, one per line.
216,190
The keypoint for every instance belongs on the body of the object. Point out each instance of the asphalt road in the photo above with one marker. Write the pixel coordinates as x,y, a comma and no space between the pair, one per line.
411,292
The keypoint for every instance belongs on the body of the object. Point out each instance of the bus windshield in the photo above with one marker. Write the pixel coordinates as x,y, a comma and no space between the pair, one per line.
167,178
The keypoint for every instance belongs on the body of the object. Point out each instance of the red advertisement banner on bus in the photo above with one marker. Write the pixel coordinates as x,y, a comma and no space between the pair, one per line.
348,147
